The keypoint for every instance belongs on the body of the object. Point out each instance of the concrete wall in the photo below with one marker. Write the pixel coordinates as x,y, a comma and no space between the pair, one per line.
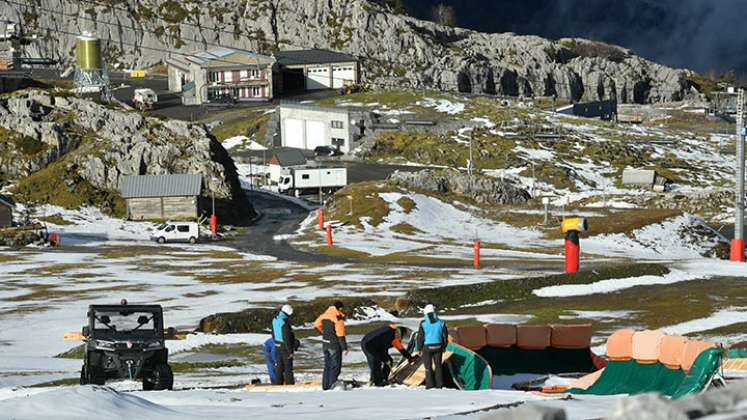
175,79
317,115
6,216
162,208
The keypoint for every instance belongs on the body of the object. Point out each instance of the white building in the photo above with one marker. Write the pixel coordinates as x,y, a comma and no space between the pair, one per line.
284,159
219,73
307,127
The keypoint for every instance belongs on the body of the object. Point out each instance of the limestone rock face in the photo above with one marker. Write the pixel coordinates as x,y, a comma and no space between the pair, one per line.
394,49
100,145
483,189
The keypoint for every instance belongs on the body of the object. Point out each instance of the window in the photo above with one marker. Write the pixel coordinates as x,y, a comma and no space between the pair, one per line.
255,74
337,124
170,228
305,176
256,91
182,228
212,76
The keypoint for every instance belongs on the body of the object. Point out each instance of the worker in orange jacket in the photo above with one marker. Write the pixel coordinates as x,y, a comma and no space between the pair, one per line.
332,326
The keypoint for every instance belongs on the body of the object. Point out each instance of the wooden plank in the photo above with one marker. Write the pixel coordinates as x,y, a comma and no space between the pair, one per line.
417,377
300,386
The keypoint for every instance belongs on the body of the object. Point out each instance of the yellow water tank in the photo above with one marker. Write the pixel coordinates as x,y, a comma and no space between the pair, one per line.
88,52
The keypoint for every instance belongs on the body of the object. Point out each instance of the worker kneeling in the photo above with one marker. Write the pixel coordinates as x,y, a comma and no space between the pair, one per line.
376,345
432,340
285,345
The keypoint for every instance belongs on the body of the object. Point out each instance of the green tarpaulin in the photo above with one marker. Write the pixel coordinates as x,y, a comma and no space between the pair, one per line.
631,377
469,371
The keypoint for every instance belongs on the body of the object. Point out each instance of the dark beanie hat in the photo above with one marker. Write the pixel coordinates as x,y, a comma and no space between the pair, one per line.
339,304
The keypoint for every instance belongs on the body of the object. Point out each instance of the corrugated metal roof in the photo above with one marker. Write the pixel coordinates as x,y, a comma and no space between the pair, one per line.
223,56
142,186
313,56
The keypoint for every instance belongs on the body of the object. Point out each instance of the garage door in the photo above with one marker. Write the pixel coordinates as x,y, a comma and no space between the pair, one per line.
342,75
318,78
293,133
315,135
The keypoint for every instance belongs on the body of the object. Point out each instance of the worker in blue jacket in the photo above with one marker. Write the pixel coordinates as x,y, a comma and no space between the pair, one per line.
271,357
285,344
432,340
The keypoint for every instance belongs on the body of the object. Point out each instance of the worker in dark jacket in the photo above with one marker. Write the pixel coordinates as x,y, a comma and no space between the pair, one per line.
432,340
282,334
376,345
332,326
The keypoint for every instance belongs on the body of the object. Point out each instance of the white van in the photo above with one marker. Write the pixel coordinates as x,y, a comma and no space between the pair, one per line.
176,232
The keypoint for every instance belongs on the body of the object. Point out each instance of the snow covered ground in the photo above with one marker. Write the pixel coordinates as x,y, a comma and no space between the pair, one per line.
370,404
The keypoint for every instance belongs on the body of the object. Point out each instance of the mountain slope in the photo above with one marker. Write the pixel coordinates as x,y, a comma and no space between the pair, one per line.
394,49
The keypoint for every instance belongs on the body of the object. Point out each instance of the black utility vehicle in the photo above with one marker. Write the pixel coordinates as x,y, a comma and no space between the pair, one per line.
126,342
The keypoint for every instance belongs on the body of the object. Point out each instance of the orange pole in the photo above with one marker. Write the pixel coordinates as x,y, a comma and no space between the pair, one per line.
214,224
329,236
320,216
737,250
476,261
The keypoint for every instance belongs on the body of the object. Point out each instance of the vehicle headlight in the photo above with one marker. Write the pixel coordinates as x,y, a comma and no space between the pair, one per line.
106,345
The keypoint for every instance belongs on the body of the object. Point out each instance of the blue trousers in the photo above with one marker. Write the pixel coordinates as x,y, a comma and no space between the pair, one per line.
271,357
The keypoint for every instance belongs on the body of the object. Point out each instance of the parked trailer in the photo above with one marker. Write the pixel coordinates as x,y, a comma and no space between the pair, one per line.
300,181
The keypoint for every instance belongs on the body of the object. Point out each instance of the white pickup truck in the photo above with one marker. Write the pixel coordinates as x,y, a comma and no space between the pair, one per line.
300,181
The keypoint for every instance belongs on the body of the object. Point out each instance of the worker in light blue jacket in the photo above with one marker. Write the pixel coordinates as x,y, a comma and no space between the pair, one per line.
282,334
432,340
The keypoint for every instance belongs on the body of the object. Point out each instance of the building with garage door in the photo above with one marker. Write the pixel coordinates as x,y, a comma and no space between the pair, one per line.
222,74
315,69
162,197
304,126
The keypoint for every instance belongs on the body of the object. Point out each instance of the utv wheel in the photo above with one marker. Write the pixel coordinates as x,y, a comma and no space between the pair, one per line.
161,240
193,240
83,375
163,377
96,375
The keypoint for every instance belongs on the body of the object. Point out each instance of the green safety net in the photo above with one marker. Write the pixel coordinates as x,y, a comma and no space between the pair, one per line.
470,370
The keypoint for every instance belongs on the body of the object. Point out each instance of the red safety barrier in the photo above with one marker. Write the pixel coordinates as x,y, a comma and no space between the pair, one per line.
572,251
476,261
320,216
329,236
214,224
737,250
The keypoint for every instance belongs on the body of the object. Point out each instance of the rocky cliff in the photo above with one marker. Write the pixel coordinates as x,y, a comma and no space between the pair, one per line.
70,151
394,49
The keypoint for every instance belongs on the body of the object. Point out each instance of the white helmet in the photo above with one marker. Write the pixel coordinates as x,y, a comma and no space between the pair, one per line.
429,309
287,309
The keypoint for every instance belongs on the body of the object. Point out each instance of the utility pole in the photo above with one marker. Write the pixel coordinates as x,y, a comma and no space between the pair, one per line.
737,245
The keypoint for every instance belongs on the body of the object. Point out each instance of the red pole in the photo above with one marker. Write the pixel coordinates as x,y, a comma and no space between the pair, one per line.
476,261
214,224
737,250
572,251
329,236
320,216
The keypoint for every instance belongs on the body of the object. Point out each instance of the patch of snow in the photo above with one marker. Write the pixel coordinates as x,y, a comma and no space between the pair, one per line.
443,105
193,341
719,319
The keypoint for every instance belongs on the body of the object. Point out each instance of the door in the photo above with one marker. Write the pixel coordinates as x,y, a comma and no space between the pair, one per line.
315,134
342,75
293,135
318,78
